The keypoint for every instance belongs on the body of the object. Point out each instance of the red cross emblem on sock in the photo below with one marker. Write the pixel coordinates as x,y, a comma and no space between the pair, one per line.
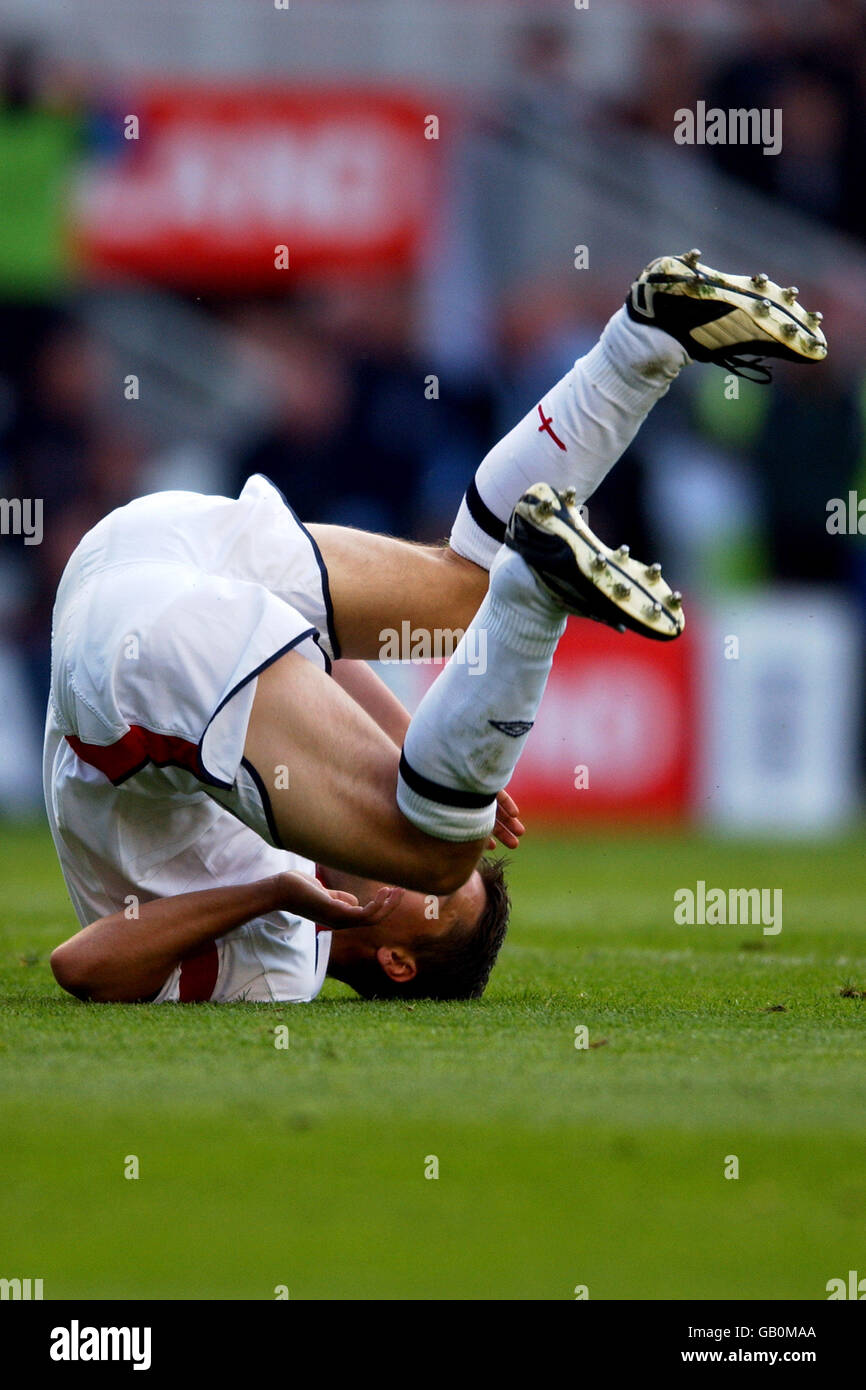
546,428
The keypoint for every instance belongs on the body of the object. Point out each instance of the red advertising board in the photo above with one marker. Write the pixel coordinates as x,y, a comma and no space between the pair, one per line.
614,737
220,177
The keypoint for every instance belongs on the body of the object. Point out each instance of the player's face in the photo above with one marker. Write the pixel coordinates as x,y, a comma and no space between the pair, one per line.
416,915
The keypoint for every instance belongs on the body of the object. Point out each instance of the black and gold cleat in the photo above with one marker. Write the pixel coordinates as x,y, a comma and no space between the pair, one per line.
732,320
584,575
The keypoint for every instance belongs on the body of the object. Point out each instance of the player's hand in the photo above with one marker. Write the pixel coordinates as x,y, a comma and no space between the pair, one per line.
329,907
509,827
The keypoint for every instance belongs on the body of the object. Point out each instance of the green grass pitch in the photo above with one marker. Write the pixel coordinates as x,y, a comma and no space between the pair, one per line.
304,1167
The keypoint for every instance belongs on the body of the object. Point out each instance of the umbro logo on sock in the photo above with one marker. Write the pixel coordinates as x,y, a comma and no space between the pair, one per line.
514,728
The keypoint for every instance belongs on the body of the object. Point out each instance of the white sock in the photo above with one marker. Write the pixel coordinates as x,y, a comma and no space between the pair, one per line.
576,433
464,741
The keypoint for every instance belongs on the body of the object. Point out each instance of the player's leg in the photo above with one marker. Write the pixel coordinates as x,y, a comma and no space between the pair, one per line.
377,583
575,434
340,798
571,440
677,310
330,776
469,730
461,738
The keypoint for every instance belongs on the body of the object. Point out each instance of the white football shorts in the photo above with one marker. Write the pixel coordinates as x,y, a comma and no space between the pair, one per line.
166,613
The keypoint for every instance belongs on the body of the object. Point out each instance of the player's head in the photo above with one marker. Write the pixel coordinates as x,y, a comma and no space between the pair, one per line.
429,947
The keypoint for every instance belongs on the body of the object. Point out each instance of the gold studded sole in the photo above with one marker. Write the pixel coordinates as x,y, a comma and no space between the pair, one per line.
644,599
761,310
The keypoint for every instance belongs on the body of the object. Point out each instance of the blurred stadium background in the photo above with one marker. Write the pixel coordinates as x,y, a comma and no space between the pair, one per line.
148,340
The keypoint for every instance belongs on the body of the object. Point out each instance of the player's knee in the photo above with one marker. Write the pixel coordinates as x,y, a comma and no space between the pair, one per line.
447,880
71,971
446,869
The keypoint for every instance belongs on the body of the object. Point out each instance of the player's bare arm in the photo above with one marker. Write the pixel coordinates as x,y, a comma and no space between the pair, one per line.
120,960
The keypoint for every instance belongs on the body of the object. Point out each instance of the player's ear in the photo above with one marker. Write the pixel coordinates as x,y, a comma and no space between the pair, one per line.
397,963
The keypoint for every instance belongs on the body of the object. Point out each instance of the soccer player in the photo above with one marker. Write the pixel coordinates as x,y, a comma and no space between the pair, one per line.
199,761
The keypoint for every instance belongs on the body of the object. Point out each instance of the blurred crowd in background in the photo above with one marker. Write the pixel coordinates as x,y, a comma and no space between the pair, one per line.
725,494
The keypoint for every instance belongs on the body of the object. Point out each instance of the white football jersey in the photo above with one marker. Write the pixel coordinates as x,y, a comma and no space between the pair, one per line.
166,613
